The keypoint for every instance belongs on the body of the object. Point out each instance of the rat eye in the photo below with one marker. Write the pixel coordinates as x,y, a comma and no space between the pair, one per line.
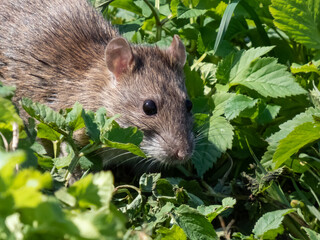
149,107
188,105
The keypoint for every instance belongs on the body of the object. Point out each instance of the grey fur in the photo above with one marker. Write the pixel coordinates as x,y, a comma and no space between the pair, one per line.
54,52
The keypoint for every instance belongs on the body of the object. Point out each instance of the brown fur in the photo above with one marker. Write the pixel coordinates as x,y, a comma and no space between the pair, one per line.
54,52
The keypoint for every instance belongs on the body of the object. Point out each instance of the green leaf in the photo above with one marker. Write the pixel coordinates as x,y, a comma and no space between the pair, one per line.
25,188
216,138
284,131
86,193
126,5
174,233
299,19
91,126
125,139
212,211
220,101
237,104
148,181
44,114
8,113
6,91
270,224
312,234
307,68
194,224
268,78
44,131
225,23
267,113
186,13
194,82
74,117
145,10
302,135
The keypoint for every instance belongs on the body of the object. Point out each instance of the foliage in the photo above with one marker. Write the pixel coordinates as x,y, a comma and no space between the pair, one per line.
252,73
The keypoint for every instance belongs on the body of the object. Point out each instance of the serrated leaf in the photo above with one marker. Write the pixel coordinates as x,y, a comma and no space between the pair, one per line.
44,131
267,113
91,126
44,114
306,68
184,12
236,104
148,181
126,5
302,135
220,101
86,193
270,224
311,234
216,138
285,129
268,78
174,233
125,139
74,117
194,224
6,91
212,211
299,19
8,113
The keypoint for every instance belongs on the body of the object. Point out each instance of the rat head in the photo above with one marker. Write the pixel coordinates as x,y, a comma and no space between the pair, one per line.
147,88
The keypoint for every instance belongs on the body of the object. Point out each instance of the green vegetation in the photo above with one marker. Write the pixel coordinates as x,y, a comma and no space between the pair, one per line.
252,74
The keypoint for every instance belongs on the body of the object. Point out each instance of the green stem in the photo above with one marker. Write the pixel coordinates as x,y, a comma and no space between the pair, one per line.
155,13
198,61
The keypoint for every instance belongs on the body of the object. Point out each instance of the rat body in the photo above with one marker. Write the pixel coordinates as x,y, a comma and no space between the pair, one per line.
58,52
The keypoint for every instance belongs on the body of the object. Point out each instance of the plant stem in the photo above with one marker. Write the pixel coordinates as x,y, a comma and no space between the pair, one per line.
198,61
155,13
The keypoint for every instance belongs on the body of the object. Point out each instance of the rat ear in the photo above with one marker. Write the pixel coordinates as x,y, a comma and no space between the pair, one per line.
119,56
177,51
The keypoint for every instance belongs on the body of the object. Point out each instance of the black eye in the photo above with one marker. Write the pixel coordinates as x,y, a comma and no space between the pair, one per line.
149,107
188,105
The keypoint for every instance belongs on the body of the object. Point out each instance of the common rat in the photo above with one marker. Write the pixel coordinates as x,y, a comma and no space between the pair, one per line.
58,52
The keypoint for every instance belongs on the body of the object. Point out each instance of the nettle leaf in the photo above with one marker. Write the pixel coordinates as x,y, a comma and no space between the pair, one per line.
307,68
91,126
311,234
270,224
125,139
285,129
212,211
74,117
216,138
44,131
299,19
187,13
86,193
44,114
302,135
194,224
173,233
268,78
128,5
267,113
220,101
148,181
7,91
236,104
8,114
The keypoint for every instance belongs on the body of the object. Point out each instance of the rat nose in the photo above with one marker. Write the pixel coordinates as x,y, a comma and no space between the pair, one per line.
182,154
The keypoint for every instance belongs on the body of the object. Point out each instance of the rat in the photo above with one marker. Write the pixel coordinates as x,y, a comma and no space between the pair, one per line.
57,52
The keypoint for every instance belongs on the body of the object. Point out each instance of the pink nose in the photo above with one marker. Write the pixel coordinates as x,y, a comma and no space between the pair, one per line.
182,155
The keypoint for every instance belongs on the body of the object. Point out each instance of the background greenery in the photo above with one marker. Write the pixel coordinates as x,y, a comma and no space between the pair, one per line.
252,74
